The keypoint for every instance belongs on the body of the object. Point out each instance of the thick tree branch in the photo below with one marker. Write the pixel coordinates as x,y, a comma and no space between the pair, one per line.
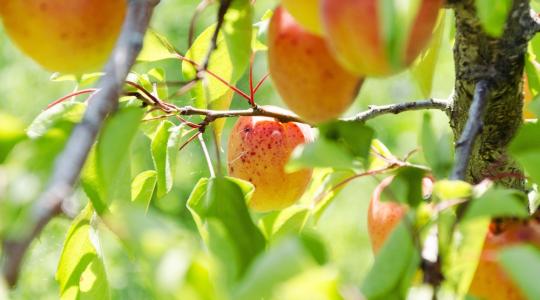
478,56
473,127
375,111
70,162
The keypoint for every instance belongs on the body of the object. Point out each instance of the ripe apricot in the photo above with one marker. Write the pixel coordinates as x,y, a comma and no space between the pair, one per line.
309,80
307,13
258,150
354,30
69,36
490,280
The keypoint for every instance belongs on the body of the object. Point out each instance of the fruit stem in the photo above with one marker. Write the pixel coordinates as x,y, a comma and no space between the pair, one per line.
251,90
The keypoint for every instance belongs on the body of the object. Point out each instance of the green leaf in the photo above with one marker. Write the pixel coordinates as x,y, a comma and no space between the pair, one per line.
356,137
493,14
533,73
461,264
143,186
156,47
339,145
522,263
437,150
328,191
229,60
81,272
281,262
392,268
498,202
525,148
218,206
3,290
106,175
221,103
424,69
283,222
321,153
397,20
452,189
68,113
322,283
406,187
11,132
164,146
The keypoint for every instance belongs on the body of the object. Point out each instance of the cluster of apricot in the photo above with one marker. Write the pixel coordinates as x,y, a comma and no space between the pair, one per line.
490,280
319,52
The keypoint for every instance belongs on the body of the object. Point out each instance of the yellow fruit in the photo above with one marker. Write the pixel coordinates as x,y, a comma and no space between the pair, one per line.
304,72
258,150
354,31
306,13
69,36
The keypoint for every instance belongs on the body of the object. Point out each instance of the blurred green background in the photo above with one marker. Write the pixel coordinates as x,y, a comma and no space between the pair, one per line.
171,238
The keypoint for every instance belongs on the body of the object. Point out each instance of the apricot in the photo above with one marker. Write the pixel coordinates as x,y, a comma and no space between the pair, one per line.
490,280
258,150
383,217
307,13
353,29
307,77
69,36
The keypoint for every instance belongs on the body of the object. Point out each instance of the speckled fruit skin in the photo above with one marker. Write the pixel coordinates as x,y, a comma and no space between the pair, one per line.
383,217
307,77
490,281
258,150
307,13
68,36
352,29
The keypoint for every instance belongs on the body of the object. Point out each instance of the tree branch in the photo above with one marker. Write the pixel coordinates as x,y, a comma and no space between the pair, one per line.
266,111
375,111
531,23
70,162
473,127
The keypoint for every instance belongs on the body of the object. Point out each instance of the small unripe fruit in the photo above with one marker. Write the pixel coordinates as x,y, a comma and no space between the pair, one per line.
309,80
307,13
383,217
354,30
69,36
258,150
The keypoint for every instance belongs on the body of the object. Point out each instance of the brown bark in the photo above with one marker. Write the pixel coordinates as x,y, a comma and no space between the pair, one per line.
500,61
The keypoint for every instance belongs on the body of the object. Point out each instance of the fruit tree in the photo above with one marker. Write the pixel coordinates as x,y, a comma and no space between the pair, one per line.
269,149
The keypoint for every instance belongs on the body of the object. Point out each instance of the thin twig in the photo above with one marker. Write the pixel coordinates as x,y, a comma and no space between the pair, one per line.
471,131
200,8
223,8
70,162
375,111
207,156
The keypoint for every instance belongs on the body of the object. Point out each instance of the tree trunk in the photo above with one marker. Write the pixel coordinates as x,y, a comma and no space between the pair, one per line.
501,61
